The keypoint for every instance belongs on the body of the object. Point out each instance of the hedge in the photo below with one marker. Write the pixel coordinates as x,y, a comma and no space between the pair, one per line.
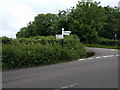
41,50
109,42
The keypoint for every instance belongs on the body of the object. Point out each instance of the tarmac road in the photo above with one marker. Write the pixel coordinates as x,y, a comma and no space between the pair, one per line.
98,71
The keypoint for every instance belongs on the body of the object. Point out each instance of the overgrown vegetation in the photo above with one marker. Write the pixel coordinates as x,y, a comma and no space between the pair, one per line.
41,50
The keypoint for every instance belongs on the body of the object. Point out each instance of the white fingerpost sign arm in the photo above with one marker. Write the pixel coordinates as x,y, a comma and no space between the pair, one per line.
59,36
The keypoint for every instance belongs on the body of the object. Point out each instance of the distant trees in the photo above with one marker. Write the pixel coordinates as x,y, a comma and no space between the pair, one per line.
111,23
41,26
87,20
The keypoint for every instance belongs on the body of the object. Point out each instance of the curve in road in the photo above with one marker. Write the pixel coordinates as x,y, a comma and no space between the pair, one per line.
98,71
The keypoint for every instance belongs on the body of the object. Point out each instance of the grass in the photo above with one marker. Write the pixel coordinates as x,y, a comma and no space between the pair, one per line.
102,46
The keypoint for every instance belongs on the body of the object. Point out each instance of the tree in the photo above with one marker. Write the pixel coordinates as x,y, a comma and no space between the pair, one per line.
41,26
87,19
61,22
21,33
112,23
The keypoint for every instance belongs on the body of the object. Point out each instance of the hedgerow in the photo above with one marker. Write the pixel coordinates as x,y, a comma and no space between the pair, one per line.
40,50
108,42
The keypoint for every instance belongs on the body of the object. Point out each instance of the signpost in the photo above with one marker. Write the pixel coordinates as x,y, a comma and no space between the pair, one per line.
63,33
115,37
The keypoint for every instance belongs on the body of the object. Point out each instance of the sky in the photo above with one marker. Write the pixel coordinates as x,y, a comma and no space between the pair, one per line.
15,14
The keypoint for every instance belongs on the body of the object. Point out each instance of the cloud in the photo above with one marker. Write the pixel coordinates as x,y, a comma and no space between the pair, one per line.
14,16
17,13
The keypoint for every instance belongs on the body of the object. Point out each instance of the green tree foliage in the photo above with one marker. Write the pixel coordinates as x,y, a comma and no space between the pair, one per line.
62,21
112,23
87,20
41,26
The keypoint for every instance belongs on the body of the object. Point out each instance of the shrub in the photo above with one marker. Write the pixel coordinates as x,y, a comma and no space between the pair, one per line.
41,51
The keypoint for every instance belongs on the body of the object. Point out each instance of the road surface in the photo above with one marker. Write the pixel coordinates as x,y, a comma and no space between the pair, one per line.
98,71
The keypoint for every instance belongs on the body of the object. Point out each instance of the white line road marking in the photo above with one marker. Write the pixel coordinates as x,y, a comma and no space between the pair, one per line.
113,49
89,58
98,57
117,55
81,59
111,55
70,85
105,56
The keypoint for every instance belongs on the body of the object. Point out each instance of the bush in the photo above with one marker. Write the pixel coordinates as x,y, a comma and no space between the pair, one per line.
6,40
41,51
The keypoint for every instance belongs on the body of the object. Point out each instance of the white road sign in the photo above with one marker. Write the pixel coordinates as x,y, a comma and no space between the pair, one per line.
59,36
66,32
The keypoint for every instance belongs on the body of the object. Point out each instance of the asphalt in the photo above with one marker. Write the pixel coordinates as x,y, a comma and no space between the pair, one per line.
98,71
